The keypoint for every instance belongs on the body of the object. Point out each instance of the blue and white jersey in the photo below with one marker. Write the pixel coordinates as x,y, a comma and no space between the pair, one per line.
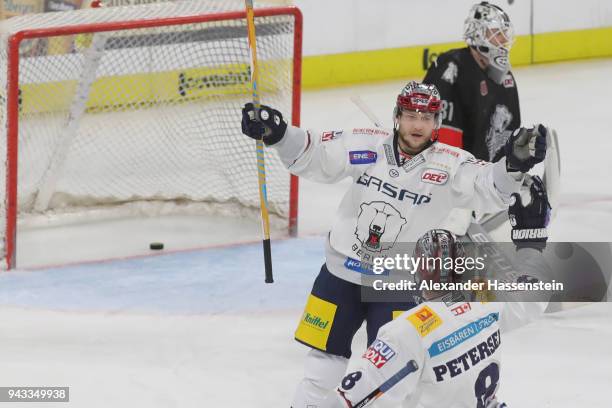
391,200
456,345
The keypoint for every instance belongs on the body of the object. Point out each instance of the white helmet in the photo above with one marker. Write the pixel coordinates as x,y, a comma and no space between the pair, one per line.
489,31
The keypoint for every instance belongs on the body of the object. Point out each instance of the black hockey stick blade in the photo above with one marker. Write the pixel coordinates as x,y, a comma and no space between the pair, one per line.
268,260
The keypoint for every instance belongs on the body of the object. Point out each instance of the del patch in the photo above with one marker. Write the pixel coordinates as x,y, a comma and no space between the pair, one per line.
425,320
362,157
434,176
379,353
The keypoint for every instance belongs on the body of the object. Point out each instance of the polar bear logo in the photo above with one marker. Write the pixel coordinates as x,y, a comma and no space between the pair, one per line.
378,225
497,134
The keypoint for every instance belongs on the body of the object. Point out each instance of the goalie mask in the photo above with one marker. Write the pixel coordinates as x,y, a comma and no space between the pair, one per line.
419,98
439,251
489,31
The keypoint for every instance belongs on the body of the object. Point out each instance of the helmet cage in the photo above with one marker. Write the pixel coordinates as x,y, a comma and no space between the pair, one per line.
419,102
488,30
435,248
419,98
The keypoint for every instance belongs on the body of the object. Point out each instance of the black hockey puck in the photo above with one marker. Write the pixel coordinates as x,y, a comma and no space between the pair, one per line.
156,246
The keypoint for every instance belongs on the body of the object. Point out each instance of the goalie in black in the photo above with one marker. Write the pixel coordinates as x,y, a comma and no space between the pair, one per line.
480,106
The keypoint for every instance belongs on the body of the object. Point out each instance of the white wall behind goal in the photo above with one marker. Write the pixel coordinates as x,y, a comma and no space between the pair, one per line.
342,26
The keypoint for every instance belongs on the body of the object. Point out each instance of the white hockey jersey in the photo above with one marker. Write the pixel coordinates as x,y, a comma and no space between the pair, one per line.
388,203
455,345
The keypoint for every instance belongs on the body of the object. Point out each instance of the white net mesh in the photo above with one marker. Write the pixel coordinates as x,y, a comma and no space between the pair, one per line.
145,114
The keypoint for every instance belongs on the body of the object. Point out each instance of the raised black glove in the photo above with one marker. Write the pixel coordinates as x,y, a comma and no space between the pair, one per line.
269,127
529,222
525,148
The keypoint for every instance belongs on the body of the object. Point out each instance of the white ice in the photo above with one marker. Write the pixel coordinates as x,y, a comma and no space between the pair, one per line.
194,327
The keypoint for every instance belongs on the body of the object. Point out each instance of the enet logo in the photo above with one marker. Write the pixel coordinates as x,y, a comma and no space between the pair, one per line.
315,321
362,157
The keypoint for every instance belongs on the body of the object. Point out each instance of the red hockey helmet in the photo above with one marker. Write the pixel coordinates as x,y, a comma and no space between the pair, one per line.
419,97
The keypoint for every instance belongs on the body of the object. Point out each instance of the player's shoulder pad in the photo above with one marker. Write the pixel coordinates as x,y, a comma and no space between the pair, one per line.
448,65
330,135
451,55
446,153
455,56
367,137
470,160
364,145
371,132
453,155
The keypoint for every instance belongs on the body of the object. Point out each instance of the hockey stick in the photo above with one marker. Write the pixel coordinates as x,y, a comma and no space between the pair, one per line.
365,109
552,171
261,165
409,368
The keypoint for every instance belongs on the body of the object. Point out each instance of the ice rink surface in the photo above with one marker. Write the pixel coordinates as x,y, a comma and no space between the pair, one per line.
197,327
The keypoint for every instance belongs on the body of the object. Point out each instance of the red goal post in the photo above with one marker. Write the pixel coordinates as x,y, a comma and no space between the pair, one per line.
16,109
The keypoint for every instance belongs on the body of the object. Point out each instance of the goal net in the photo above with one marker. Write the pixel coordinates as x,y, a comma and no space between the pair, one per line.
137,109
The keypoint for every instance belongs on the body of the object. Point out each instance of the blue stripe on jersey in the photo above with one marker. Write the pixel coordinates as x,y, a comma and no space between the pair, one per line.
460,335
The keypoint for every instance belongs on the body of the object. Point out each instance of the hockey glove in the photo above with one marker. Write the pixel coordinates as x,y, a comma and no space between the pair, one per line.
525,148
269,126
529,222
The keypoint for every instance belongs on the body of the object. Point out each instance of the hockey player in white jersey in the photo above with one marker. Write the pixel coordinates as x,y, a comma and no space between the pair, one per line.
445,352
404,184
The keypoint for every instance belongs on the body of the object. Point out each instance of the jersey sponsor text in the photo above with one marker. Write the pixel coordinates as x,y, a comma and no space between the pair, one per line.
469,359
